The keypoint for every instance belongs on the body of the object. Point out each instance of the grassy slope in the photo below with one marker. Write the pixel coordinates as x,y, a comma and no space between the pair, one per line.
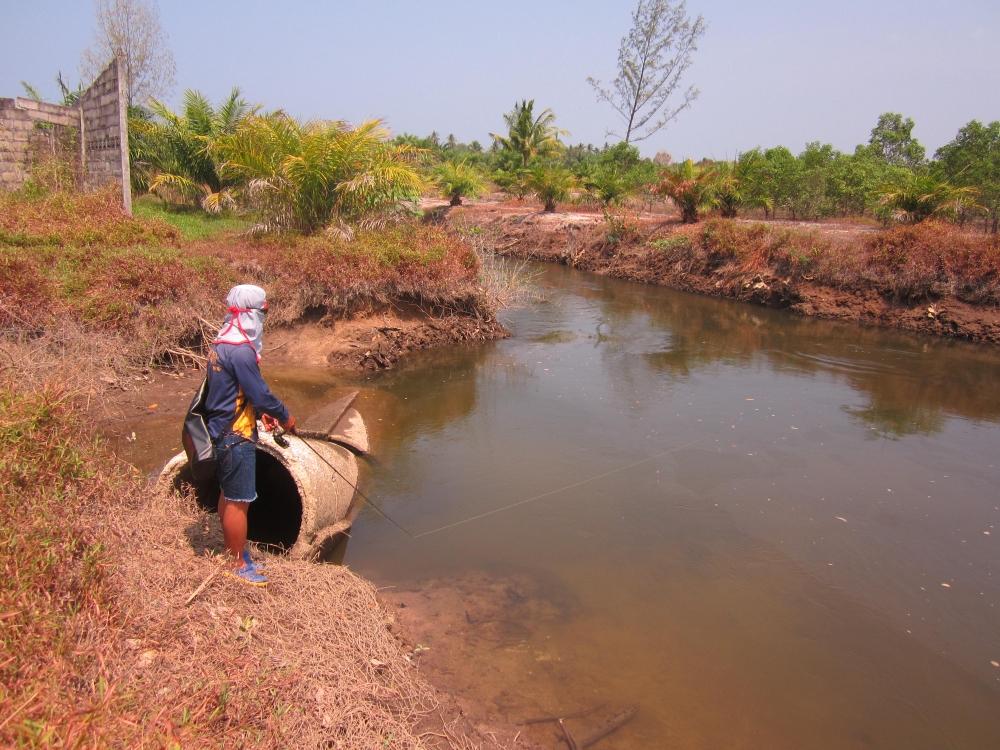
76,258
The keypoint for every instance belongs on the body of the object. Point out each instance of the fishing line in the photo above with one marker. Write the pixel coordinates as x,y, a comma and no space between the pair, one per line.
279,438
501,509
549,493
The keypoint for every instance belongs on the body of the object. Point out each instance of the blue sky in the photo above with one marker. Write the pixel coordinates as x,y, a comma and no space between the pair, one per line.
783,72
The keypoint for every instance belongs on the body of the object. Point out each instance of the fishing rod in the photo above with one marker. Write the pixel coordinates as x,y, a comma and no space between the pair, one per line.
281,440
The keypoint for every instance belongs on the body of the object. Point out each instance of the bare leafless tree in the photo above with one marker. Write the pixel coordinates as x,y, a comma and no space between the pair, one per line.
131,28
652,59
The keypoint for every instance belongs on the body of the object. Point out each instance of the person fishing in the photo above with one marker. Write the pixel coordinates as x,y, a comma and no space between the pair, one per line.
236,393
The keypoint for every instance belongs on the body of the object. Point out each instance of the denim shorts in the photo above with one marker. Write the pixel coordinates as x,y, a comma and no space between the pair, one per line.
236,467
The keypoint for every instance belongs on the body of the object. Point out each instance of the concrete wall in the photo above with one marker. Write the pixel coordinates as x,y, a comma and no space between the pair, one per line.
91,137
30,133
104,114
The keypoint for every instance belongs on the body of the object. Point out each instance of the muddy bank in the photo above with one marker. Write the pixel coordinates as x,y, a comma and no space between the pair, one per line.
375,341
522,683
647,252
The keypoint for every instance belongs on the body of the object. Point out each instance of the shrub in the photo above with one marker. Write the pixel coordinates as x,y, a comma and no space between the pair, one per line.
933,259
672,243
513,181
620,226
550,184
302,177
458,180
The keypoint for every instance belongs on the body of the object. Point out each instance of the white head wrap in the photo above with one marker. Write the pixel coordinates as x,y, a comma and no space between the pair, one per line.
244,322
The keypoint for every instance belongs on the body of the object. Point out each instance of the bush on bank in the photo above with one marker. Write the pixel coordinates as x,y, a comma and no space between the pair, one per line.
925,261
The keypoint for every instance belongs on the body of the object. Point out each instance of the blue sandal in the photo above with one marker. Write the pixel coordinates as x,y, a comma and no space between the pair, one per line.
248,575
249,562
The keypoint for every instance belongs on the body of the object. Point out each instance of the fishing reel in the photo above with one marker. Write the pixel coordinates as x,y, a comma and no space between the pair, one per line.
279,437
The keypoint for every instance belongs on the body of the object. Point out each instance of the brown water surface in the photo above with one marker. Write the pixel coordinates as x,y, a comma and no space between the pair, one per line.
764,530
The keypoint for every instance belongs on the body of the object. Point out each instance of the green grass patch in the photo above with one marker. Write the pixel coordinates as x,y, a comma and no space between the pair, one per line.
192,223
396,246
672,243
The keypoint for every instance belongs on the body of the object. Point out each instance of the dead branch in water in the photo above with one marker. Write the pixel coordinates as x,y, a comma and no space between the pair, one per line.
569,737
613,724
575,715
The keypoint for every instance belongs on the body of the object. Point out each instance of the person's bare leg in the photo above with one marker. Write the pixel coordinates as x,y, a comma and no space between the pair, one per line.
234,529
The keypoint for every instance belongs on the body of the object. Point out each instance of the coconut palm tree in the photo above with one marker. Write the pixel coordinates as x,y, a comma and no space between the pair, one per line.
457,180
304,176
178,147
529,137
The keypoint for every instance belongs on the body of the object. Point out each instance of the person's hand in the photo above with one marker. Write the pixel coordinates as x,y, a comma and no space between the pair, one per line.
269,422
289,424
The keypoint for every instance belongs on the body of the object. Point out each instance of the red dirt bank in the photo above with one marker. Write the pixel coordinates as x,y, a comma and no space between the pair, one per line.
838,271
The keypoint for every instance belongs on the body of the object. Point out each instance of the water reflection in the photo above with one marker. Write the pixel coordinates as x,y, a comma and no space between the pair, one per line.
911,385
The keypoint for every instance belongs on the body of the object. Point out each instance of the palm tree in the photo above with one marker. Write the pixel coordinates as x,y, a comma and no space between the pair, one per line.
457,180
923,197
551,184
179,147
691,188
303,176
69,96
728,190
529,137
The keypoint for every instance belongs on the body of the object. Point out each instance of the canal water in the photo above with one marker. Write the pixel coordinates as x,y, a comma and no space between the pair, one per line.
762,530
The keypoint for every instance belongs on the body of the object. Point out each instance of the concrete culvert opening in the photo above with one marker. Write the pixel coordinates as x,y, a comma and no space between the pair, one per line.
276,515
301,501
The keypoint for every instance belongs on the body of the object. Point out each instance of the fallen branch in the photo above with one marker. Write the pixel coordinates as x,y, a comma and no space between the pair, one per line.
613,724
187,354
576,715
569,737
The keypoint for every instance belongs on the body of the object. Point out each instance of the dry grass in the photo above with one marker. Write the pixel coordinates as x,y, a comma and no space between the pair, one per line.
76,219
931,260
55,602
309,662
503,281
908,264
100,650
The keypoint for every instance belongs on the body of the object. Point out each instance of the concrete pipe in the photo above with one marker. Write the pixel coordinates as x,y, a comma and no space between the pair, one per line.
302,503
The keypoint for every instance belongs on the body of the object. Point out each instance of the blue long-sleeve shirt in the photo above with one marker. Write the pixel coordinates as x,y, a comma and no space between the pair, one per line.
237,392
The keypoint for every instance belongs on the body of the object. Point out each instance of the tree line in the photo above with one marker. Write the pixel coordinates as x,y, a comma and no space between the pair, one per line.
888,178
305,175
